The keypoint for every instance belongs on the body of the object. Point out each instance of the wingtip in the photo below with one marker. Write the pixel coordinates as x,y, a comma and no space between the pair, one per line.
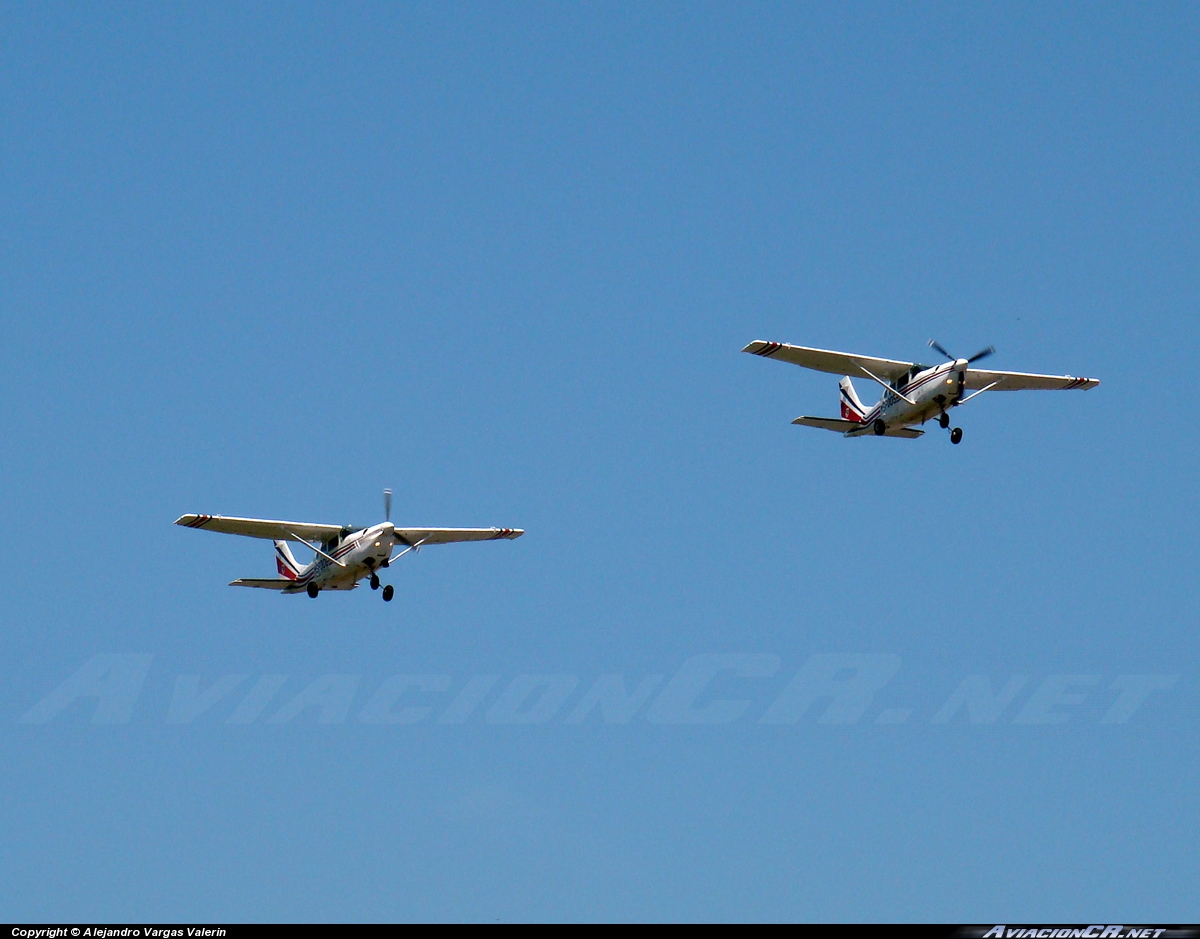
763,347
193,521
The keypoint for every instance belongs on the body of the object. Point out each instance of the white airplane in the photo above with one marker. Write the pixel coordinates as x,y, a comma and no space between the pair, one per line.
342,554
912,393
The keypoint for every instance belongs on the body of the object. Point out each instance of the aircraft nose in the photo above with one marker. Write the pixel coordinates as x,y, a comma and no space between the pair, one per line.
384,538
960,365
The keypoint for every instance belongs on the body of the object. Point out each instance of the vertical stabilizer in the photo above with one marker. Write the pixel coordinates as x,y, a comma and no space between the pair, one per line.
852,407
284,562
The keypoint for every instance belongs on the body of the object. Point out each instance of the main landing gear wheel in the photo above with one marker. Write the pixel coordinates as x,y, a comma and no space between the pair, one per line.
956,435
880,427
374,581
943,421
388,592
312,590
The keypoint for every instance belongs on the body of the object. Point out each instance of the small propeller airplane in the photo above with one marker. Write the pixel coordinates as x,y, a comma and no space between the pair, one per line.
342,554
912,393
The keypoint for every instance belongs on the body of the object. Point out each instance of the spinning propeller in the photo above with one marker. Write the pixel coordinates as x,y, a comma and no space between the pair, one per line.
981,354
387,517
960,366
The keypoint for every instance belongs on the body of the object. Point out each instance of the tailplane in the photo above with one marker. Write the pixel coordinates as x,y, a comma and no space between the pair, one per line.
284,562
852,407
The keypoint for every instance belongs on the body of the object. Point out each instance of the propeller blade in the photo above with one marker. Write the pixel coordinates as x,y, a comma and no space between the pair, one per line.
387,505
934,344
981,354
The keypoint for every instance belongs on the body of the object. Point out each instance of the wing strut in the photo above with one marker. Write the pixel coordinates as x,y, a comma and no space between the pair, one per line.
415,548
317,550
976,394
899,394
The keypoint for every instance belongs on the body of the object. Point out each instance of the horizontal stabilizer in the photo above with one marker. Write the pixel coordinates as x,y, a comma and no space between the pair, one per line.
908,433
855,428
266,583
828,423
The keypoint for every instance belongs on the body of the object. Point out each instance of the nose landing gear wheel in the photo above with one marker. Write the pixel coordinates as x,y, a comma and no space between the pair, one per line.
374,581
880,428
312,590
388,592
943,421
956,435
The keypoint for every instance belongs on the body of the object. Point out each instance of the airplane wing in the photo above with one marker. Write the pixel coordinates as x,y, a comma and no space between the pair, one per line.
267,583
411,536
837,363
977,378
260,527
855,427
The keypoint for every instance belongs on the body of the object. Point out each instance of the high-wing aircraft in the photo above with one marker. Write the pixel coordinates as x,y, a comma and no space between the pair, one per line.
342,554
912,393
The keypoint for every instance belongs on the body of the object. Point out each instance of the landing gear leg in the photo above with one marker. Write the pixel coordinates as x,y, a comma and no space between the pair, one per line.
388,592
956,435
312,590
374,581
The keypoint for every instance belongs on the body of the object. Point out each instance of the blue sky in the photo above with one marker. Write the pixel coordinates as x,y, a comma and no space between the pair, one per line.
266,260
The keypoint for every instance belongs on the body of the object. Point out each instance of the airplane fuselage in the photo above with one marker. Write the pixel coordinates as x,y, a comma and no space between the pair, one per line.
931,392
355,556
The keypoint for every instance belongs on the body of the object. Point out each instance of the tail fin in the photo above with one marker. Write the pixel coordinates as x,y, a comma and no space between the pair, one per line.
284,562
852,407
